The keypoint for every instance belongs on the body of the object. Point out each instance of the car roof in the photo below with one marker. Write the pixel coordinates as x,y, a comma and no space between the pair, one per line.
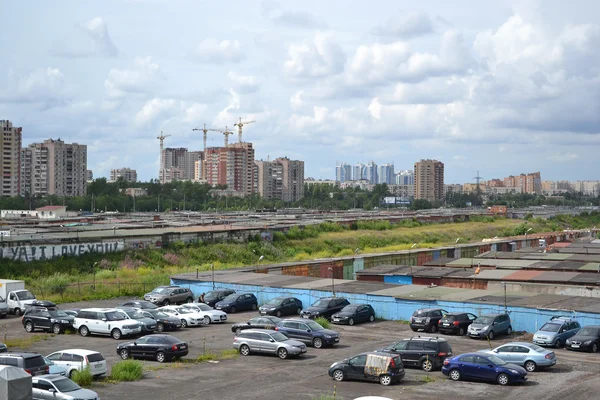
259,330
24,354
81,352
429,309
526,344
457,313
49,377
296,320
358,304
377,353
97,309
427,338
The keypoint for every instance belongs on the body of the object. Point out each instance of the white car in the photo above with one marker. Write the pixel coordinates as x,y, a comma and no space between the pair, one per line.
105,321
78,360
59,387
209,314
188,317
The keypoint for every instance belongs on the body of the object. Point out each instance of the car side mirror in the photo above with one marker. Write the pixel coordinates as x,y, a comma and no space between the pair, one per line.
496,351
172,294
272,340
104,319
495,323
135,343
490,365
308,330
52,390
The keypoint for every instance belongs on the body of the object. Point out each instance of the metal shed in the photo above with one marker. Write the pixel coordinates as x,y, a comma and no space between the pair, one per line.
15,383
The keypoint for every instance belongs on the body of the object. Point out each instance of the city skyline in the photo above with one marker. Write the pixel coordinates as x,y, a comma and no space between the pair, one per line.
509,86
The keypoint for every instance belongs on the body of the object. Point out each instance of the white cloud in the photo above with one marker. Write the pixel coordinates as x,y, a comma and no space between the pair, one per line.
153,109
45,86
95,42
407,26
323,57
218,52
296,100
563,156
102,43
431,91
141,78
243,83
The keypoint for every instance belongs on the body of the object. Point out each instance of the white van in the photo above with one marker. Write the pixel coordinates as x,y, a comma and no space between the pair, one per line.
105,321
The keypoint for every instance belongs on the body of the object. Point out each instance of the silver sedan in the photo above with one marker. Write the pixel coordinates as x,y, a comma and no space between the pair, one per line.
529,355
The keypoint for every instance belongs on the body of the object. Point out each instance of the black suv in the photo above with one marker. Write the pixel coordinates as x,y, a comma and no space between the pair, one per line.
33,363
237,302
214,296
49,319
426,319
426,353
456,323
325,307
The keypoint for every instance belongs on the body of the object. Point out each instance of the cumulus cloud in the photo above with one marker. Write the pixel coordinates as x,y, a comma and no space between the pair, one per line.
153,109
563,156
45,86
140,78
320,58
296,100
96,42
218,52
290,18
243,83
406,26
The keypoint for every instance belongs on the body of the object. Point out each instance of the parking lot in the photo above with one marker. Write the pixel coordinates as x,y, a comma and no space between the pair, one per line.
576,375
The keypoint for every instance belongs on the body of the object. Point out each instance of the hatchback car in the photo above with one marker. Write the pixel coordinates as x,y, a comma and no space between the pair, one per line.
281,306
308,332
427,353
157,347
587,339
325,307
171,295
379,367
59,388
556,332
528,355
237,302
140,304
48,319
489,326
484,367
33,363
164,321
214,296
426,319
269,342
353,313
456,323
79,359
211,315
266,322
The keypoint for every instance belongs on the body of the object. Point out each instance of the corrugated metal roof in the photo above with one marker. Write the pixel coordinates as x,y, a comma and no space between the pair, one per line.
555,276
524,275
586,278
493,274
427,293
546,256
589,267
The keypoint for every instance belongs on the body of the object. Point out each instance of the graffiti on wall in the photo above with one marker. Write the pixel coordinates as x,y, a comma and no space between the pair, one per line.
29,252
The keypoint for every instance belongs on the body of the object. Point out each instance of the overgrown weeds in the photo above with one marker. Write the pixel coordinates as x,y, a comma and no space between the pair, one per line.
126,371
323,322
83,378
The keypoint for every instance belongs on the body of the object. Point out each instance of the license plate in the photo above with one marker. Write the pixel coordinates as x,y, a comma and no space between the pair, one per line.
305,316
98,366
263,312
336,339
336,319
183,347
446,324
575,346
303,351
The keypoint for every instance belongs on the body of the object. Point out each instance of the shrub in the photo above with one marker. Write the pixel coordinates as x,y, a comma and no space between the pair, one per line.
83,378
323,322
127,370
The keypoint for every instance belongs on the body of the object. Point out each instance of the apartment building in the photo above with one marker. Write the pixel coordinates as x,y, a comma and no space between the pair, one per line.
529,183
429,180
10,159
405,177
232,166
386,174
343,172
178,164
127,174
269,179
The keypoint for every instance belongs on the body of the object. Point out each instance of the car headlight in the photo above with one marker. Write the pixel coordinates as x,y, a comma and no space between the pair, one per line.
317,312
327,336
485,328
587,342
272,309
64,321
514,371
568,341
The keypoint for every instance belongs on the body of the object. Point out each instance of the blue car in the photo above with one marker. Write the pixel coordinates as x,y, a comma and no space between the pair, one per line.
483,367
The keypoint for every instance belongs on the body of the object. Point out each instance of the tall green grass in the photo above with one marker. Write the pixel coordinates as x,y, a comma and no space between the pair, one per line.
126,370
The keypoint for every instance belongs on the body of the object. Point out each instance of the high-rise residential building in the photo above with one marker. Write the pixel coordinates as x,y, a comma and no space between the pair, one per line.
386,174
429,180
232,166
587,188
359,171
178,164
292,179
343,172
371,172
405,177
128,174
57,168
269,179
25,172
10,159
529,183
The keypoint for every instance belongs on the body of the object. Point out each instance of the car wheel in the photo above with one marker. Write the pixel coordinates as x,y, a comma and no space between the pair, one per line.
160,357
530,366
454,375
491,335
184,323
84,331
189,300
282,353
278,314
160,327
254,307
461,331
509,331
124,353
116,334
166,302
433,328
71,373
426,365
29,326
594,348
351,321
317,343
17,312
238,331
558,344
385,380
206,320
371,318
338,375
232,310
244,350
502,379
56,329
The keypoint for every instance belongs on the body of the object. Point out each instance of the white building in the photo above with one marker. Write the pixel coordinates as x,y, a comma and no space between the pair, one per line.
386,174
343,172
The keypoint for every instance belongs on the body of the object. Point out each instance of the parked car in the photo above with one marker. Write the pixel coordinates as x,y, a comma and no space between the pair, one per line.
3,348
105,321
32,363
164,321
427,353
489,326
141,304
148,325
269,342
485,367
281,306
59,388
210,315
587,339
159,347
384,368
157,291
47,319
55,369
426,319
171,295
185,315
308,332
325,307
456,323
237,302
266,322
214,296
353,313
72,312
78,360
556,332
528,355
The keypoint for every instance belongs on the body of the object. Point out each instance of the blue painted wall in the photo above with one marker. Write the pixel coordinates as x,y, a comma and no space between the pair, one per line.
387,307
398,279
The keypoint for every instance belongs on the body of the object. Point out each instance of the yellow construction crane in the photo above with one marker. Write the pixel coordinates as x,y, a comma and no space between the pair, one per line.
205,131
162,138
240,125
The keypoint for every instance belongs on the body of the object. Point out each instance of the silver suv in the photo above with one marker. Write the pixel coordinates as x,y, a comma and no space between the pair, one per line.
556,331
165,296
267,341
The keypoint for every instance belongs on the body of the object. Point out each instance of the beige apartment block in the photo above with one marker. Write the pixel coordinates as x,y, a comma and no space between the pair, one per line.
429,180
10,159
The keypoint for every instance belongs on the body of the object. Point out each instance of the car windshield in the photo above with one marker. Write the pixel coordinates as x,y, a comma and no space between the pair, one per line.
58,313
274,302
314,326
350,308
588,332
160,314
548,327
25,295
496,360
48,361
484,320
65,385
115,316
159,290
279,337
204,307
420,313
321,303
136,314
211,295
183,310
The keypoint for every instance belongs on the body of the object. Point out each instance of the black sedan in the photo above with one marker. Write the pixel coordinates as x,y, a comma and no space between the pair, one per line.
156,347
164,321
281,306
587,339
266,322
353,313
140,304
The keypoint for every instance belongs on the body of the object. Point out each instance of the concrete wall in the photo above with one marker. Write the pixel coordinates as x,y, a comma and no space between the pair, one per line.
544,288
387,307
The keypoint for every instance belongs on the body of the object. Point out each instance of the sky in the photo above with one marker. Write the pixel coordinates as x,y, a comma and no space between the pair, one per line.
501,87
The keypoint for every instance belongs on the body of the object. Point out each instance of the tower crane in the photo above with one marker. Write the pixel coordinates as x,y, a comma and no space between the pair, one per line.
162,138
240,125
205,130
